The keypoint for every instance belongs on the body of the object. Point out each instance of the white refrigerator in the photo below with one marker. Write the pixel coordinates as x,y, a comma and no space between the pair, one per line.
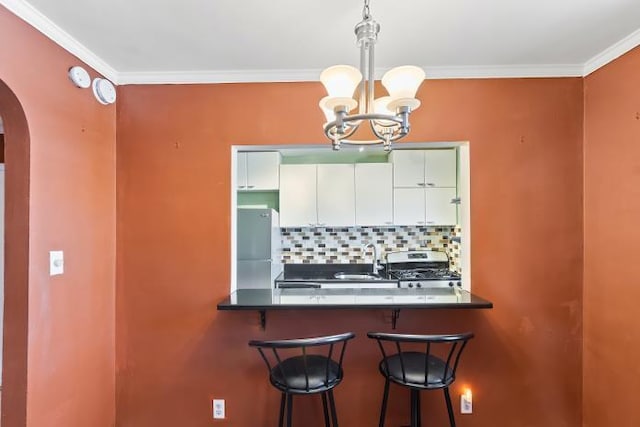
259,248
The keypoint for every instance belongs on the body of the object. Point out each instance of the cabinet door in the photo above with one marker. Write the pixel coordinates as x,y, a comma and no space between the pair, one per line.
408,168
374,193
440,168
439,209
263,170
337,299
298,299
298,196
408,206
241,171
336,195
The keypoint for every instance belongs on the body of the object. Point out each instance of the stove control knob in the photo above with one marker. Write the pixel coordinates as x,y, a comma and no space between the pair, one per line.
418,285
451,284
411,285
459,284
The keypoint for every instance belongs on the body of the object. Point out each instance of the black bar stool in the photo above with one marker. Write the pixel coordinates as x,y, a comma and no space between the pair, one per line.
305,366
420,362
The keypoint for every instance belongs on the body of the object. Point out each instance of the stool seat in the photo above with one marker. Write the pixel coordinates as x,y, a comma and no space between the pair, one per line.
310,374
413,375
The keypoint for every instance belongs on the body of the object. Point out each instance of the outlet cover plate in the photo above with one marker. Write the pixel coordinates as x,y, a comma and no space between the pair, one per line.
218,409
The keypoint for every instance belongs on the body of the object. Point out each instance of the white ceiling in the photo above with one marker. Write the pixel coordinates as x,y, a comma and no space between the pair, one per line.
263,40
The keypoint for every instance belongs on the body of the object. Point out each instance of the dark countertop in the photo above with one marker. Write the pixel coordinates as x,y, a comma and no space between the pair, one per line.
309,299
301,274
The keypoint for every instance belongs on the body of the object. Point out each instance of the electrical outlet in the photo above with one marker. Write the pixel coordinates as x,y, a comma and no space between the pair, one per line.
466,403
218,409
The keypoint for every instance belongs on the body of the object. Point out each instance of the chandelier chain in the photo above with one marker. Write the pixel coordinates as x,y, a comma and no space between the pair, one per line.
366,14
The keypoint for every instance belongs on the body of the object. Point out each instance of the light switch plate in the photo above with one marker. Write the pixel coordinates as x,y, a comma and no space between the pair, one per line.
56,263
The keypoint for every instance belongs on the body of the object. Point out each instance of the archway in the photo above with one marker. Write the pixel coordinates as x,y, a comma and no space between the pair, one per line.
16,276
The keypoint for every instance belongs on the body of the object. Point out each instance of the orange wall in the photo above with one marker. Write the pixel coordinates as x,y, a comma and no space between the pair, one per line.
612,244
175,351
71,320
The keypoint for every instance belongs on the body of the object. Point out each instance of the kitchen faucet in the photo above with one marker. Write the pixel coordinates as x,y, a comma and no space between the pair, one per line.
376,267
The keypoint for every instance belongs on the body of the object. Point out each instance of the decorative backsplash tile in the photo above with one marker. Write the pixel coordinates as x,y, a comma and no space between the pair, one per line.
344,245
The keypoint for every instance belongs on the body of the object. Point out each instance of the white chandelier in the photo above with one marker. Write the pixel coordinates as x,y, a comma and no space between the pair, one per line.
388,116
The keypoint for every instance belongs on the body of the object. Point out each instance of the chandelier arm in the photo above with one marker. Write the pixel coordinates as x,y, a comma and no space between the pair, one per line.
330,131
372,116
396,134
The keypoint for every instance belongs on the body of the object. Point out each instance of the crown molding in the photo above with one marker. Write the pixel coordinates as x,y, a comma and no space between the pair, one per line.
312,75
227,76
612,52
504,71
40,22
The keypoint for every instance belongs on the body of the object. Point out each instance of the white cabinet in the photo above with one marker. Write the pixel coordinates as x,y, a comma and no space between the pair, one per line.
409,206
336,195
374,193
424,168
317,195
408,170
258,170
424,187
424,206
439,209
298,207
440,168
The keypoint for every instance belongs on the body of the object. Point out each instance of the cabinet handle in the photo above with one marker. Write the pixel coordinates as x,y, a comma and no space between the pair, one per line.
388,298
456,201
250,186
431,222
241,186
420,222
431,184
311,224
421,184
388,222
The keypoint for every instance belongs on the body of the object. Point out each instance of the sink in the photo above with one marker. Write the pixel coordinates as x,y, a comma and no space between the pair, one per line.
357,276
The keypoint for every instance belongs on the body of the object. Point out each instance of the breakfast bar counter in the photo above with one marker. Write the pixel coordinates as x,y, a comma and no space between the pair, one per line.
387,298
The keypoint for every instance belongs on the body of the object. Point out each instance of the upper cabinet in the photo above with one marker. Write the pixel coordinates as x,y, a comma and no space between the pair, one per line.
424,187
258,171
317,195
418,187
374,193
336,195
298,196
424,168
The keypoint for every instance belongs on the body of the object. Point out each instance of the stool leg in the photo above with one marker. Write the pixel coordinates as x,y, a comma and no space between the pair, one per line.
385,397
326,412
281,419
414,408
332,403
289,409
418,406
447,397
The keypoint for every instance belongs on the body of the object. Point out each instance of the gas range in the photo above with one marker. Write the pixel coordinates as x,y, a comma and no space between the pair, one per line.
422,269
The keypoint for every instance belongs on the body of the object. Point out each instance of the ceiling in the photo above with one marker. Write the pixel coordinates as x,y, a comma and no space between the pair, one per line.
150,41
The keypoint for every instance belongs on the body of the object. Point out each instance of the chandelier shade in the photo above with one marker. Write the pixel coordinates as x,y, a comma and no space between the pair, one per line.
348,87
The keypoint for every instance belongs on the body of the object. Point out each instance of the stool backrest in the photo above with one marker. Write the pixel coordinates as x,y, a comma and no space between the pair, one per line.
447,347
274,352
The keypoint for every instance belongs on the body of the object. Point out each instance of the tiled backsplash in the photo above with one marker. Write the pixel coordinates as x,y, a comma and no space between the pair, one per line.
343,245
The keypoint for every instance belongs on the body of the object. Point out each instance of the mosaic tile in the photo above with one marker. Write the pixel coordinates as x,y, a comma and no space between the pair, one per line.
327,245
